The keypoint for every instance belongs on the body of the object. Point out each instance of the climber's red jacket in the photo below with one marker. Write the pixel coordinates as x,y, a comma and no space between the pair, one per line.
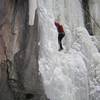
59,27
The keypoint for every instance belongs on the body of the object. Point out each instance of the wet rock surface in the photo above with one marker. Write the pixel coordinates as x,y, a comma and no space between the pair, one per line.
19,71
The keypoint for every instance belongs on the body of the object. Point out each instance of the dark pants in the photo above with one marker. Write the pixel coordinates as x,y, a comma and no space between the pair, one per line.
60,37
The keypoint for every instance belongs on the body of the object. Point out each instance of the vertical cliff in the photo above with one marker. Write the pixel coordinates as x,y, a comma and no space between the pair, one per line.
32,68
19,71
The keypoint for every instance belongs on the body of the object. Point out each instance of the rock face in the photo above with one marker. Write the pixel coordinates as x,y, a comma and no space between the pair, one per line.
87,16
19,72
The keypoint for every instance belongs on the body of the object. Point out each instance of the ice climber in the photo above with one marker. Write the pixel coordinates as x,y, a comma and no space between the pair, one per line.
61,34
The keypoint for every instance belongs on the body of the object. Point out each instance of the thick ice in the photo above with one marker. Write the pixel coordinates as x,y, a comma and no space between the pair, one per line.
64,73
73,72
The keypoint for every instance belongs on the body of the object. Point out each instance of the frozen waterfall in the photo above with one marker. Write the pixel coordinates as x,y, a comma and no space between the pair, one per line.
32,67
72,74
65,78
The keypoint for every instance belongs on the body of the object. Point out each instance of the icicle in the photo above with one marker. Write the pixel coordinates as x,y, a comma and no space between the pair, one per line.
32,8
